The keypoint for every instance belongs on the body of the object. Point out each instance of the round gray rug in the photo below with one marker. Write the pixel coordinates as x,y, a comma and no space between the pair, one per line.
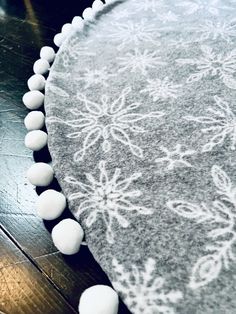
141,119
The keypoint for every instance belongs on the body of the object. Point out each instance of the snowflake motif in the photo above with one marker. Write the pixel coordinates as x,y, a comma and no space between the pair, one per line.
162,89
75,52
107,198
107,121
175,157
167,17
139,61
95,77
180,43
133,33
217,30
221,123
221,215
121,14
194,6
211,64
149,5
142,291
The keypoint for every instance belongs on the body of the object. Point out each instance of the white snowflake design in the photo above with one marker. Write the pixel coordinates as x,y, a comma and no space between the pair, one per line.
139,61
212,7
180,43
176,157
162,89
110,120
133,33
75,51
213,65
221,215
110,199
149,5
93,77
168,17
121,14
217,30
155,6
142,291
220,123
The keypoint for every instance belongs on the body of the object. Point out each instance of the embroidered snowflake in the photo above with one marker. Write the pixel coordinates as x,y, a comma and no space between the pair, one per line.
220,123
217,30
175,157
180,43
133,33
75,51
194,6
149,5
93,77
121,14
221,215
108,120
213,65
110,199
139,61
162,89
167,17
142,291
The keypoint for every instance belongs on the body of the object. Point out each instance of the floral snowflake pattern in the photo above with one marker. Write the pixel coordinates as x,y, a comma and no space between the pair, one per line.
93,77
150,5
221,123
142,291
162,89
155,6
121,14
139,61
76,51
133,33
221,215
110,120
107,198
175,158
213,65
167,17
212,7
217,30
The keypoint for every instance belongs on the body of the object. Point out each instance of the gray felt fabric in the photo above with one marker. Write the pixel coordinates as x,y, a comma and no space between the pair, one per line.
141,118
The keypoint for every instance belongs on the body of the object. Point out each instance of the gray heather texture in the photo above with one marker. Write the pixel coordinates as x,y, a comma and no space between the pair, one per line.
200,63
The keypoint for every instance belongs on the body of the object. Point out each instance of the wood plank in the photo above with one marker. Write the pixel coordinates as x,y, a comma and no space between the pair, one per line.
73,274
9,254
23,288
30,234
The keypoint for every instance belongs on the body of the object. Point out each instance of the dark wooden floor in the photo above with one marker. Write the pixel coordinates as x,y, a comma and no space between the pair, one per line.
34,276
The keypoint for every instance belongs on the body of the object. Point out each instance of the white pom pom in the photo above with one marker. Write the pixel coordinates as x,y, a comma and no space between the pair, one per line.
88,14
78,23
50,204
33,99
40,174
108,1
58,39
36,82
36,140
97,5
41,66
67,236
66,29
34,120
47,53
99,299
